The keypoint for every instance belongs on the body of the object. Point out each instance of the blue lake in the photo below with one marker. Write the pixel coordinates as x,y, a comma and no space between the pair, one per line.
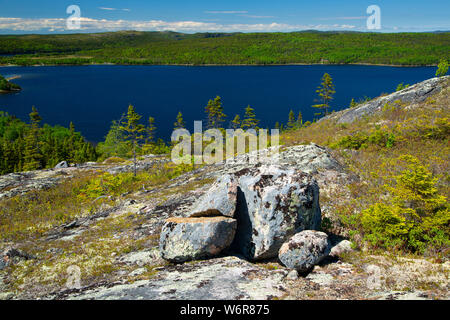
92,96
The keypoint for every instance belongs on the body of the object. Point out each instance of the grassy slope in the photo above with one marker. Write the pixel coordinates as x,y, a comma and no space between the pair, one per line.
130,47
422,131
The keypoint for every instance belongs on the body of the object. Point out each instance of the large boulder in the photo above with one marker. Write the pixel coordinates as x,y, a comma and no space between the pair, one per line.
184,239
273,203
304,250
219,200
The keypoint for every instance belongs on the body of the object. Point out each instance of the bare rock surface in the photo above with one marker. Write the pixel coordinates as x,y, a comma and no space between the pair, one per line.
227,278
184,239
414,94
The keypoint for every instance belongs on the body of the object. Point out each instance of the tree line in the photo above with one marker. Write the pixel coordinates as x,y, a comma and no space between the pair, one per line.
239,48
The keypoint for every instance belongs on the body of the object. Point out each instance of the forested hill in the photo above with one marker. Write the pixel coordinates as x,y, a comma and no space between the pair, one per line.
132,47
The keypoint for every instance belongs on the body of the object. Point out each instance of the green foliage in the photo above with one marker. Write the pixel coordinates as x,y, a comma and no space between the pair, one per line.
250,121
179,124
418,216
29,147
380,137
114,144
442,68
236,122
325,92
7,86
133,131
402,86
131,47
214,113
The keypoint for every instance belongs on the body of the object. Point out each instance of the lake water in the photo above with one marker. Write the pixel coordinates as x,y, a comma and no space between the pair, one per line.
92,96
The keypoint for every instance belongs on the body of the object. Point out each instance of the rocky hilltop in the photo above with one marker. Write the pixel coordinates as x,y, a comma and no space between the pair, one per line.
225,231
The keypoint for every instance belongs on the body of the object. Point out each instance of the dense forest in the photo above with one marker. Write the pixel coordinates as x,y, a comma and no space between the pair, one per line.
25,147
132,47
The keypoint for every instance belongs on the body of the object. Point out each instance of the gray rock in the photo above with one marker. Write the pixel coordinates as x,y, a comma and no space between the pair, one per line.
219,200
184,239
411,95
304,250
274,203
228,278
341,248
292,275
61,165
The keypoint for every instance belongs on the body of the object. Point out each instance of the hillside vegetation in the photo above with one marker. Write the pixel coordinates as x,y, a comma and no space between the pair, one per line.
131,47
401,156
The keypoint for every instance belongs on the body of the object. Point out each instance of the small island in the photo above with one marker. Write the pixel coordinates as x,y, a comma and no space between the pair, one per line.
7,87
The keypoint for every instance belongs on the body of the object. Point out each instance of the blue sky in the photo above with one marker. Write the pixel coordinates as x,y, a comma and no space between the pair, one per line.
47,16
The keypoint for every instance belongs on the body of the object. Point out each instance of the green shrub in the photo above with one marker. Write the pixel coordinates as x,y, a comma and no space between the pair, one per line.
417,219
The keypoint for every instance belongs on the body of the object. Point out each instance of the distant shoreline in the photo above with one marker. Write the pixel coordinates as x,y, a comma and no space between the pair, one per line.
219,65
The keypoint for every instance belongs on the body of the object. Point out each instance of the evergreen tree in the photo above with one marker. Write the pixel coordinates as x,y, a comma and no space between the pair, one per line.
442,68
291,120
236,123
215,114
179,124
299,120
151,130
250,121
133,132
325,92
32,153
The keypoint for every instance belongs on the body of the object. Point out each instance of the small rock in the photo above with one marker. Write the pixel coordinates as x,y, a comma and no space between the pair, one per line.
292,275
137,272
304,250
62,165
184,239
341,248
219,200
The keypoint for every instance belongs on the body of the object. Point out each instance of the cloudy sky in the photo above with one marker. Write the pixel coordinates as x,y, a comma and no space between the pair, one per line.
50,16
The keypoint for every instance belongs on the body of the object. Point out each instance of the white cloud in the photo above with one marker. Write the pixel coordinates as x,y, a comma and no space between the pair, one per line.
88,24
226,12
344,18
113,9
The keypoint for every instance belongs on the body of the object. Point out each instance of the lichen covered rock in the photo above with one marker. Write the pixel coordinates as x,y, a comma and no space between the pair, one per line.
184,239
219,200
304,250
274,203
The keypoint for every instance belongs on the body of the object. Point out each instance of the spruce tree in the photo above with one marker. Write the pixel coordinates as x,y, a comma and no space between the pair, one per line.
291,120
215,114
236,123
299,120
179,124
250,121
325,92
151,130
32,153
133,131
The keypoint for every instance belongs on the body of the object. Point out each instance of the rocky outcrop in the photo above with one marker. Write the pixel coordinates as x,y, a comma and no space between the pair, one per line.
411,95
304,250
274,203
184,239
219,200
228,278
